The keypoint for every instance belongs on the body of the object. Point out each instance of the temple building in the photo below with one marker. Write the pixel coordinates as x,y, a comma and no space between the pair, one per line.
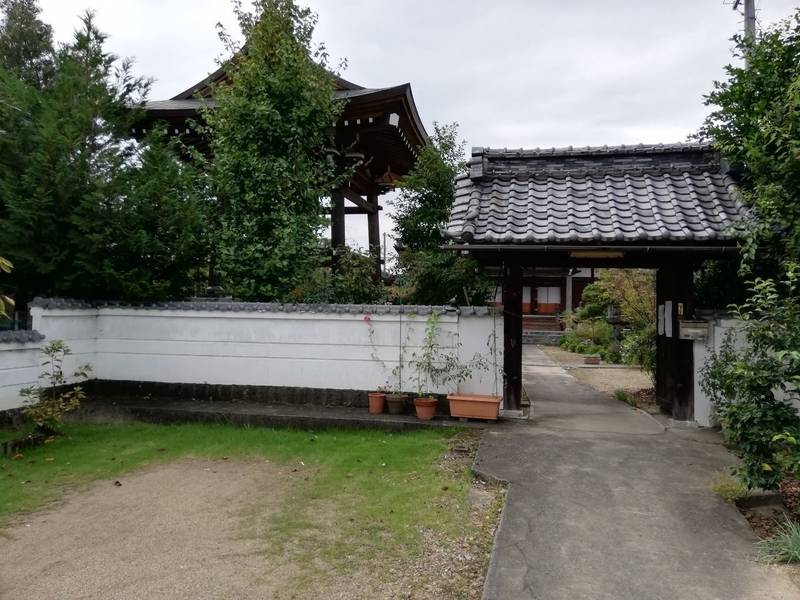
379,134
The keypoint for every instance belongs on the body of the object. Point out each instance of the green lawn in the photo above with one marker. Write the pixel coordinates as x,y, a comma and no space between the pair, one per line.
383,487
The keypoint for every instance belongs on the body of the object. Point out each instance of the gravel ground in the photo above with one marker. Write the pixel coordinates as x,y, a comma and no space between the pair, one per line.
606,380
187,529
172,531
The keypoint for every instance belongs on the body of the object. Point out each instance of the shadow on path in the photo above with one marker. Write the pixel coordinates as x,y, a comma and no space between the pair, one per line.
603,503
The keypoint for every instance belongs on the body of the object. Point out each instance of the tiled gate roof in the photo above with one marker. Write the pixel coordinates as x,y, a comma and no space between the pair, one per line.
621,194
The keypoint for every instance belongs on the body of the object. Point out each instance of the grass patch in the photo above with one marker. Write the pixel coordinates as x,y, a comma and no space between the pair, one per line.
625,397
784,546
728,487
368,494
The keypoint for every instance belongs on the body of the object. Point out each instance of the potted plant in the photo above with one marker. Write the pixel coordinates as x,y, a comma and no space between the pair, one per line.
394,399
425,363
425,407
396,403
444,369
377,401
474,406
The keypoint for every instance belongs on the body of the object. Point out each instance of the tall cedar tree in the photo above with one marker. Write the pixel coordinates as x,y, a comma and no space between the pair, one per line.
428,274
756,125
270,132
87,212
26,43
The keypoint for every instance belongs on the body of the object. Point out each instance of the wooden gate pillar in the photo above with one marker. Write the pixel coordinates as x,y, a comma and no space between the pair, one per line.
674,356
512,336
374,233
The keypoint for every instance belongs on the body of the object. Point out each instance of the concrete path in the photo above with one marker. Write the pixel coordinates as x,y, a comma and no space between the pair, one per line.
603,504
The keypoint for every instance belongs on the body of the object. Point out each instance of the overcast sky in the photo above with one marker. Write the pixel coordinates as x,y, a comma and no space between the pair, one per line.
513,73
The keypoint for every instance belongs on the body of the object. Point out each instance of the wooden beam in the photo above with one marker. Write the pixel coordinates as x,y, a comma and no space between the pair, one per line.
361,180
512,336
351,210
363,204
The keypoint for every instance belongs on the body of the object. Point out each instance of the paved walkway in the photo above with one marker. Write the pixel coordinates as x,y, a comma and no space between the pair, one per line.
603,504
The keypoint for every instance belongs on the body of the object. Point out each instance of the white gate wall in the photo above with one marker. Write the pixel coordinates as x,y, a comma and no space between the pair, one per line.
330,346
718,330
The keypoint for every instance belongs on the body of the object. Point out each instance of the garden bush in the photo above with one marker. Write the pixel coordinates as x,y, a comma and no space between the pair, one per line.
730,489
639,348
46,405
589,337
594,302
752,384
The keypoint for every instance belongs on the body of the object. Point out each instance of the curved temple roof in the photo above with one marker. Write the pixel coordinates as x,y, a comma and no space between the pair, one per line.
627,195
383,123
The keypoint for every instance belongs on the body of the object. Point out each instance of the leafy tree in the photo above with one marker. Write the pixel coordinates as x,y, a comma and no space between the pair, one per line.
756,125
26,43
429,275
633,292
352,283
152,244
440,277
717,284
87,212
270,132
426,196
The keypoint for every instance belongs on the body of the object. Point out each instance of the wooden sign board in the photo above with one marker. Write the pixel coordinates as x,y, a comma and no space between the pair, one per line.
693,330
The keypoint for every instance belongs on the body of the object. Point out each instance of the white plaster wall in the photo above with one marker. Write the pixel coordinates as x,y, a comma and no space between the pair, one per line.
296,349
19,368
484,336
20,364
717,332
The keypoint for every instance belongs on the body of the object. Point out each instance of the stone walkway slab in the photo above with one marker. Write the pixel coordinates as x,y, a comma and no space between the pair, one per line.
605,504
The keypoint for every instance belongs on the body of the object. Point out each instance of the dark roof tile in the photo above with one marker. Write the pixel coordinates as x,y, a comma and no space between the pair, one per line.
595,194
214,305
22,336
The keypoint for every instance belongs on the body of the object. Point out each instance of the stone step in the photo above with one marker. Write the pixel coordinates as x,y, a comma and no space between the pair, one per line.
542,338
541,323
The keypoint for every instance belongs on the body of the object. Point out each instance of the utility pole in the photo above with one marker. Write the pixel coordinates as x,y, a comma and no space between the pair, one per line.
749,22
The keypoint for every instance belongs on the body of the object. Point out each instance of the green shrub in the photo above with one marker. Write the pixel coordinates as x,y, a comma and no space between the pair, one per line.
749,429
729,488
638,347
784,546
352,283
47,404
588,337
594,302
742,381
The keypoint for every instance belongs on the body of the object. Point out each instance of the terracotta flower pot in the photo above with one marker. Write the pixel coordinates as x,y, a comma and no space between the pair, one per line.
377,402
396,403
426,407
474,406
